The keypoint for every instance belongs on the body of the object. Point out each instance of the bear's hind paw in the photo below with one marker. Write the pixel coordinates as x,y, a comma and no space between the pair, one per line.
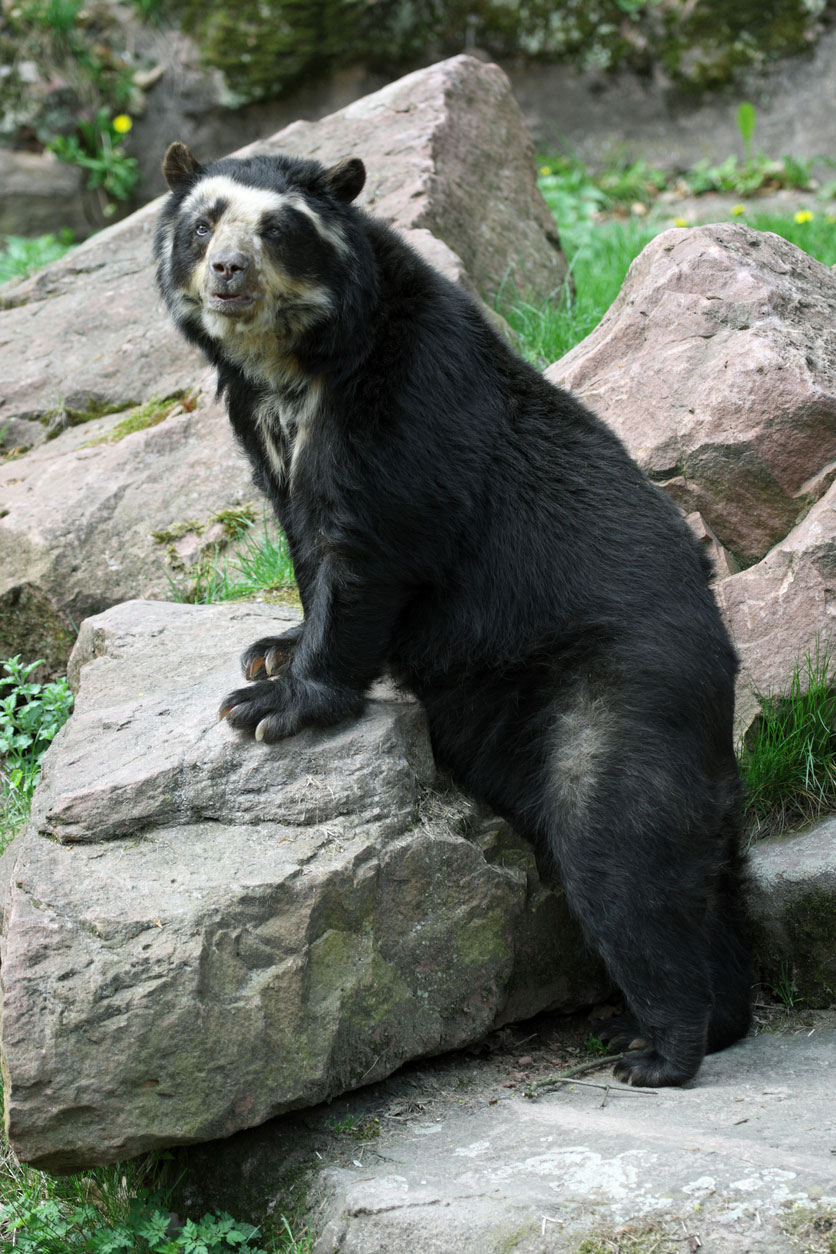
647,1068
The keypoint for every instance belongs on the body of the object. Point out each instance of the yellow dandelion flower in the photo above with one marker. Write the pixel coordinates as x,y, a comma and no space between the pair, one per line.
738,210
680,221
122,123
804,215
545,170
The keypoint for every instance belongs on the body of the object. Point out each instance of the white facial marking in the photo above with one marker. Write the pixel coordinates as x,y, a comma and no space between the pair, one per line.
247,205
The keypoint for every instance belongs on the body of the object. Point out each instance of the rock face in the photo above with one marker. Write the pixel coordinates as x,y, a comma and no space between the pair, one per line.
88,335
717,367
200,933
38,193
80,511
783,607
793,910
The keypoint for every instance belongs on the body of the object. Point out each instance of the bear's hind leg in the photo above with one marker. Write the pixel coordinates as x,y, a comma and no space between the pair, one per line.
731,966
637,875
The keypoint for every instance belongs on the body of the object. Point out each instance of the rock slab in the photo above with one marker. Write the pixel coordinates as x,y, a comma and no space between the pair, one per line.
200,933
740,1163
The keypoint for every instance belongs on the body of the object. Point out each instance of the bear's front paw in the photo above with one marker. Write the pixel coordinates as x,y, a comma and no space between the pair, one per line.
271,655
265,709
274,709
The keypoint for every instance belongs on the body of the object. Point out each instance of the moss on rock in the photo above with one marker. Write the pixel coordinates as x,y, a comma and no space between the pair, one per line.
266,46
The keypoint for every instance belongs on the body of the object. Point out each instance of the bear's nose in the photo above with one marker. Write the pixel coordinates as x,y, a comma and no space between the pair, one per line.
228,265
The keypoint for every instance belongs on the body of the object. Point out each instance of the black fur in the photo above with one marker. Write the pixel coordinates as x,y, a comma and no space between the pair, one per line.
459,521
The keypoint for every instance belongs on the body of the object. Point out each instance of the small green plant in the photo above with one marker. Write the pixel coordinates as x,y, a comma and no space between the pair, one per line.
360,1127
30,715
746,122
97,148
46,1227
784,990
260,564
58,17
594,1046
788,759
20,256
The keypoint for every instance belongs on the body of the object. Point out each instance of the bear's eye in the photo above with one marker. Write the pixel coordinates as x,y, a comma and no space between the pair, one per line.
202,228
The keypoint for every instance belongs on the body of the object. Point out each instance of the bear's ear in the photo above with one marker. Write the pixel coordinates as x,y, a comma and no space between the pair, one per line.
345,180
179,163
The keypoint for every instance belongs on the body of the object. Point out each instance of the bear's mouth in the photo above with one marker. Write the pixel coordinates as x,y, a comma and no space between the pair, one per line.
229,302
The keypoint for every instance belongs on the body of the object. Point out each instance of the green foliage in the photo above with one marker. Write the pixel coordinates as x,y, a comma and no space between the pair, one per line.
48,1227
20,256
784,990
260,564
97,148
599,257
59,17
30,715
594,1046
788,760
746,121
756,174
264,46
121,1207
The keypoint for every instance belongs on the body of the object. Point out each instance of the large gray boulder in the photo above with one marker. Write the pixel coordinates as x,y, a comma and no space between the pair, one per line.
88,335
716,365
200,932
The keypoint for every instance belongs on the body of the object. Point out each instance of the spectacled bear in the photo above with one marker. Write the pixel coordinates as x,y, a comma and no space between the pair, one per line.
455,519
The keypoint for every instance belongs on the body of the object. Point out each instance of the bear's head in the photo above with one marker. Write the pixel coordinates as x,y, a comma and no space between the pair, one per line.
253,252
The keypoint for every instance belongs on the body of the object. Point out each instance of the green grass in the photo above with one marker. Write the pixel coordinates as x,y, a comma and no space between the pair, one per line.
20,256
600,252
815,235
788,760
260,564
599,258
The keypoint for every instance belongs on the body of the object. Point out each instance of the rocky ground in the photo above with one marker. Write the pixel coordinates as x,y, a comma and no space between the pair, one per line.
481,1152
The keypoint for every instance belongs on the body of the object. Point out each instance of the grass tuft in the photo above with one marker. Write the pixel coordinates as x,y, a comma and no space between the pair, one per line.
261,564
788,759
